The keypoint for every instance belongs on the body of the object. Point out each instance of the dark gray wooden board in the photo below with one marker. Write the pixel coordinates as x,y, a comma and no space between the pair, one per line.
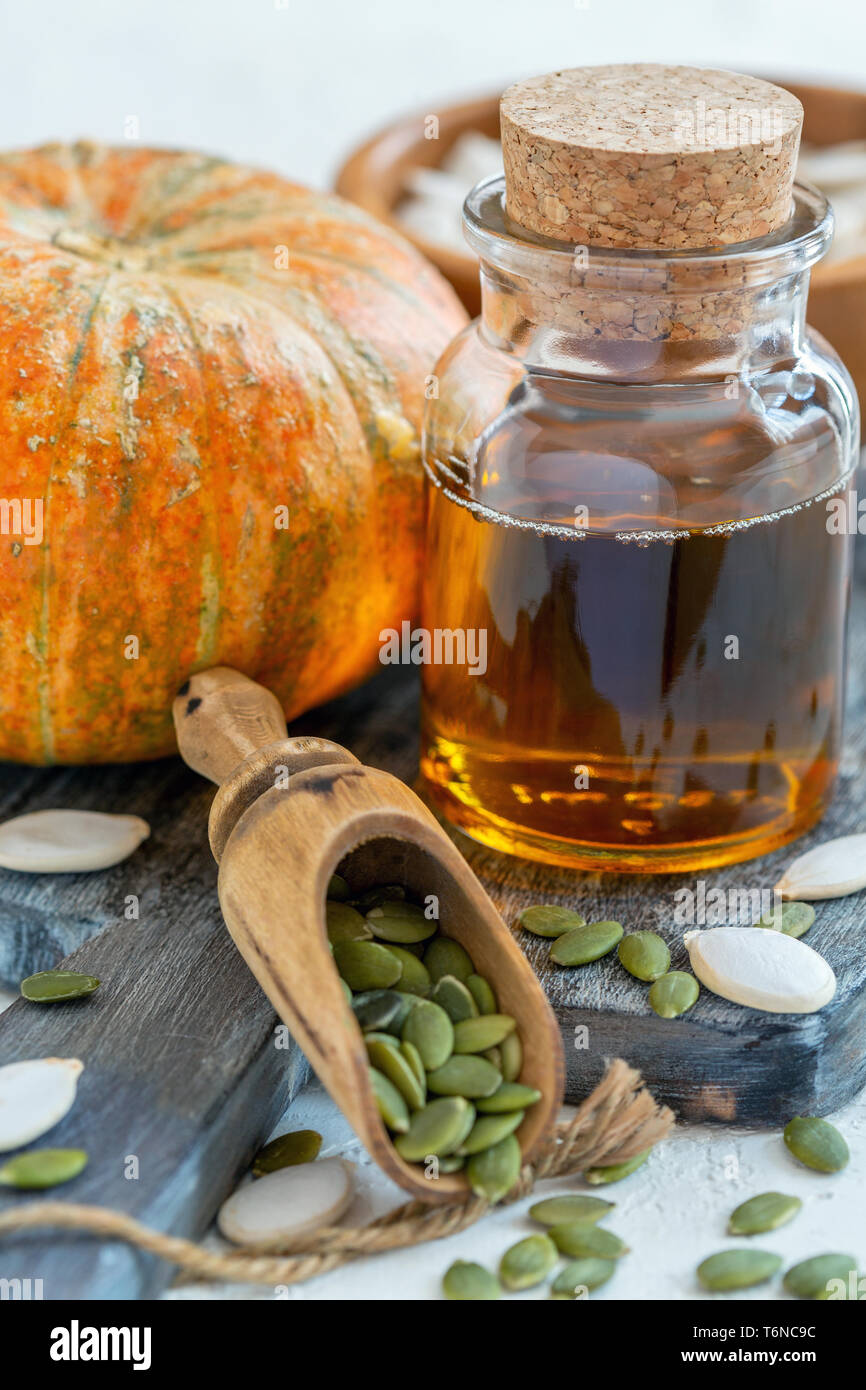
181,1065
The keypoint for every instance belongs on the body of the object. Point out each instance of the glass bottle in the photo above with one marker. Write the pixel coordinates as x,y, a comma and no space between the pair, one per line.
637,465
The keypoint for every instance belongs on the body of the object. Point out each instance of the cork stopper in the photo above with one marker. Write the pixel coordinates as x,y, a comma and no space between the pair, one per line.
644,156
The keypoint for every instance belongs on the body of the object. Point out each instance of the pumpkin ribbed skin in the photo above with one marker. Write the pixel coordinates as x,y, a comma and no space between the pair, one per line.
186,347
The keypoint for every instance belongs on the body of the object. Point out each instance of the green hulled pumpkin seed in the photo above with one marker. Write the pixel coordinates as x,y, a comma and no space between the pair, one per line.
413,1057
391,1105
464,1075
816,1144
56,986
366,965
287,1150
511,1095
451,1163
615,1172
489,1129
42,1168
587,1273
511,1055
494,1171
737,1269
343,923
400,923
466,1282
645,955
549,920
387,1038
765,1212
415,948
347,993
673,994
794,919
479,1034
407,1004
453,996
390,1061
527,1263
817,1278
482,992
414,979
376,1008
494,1055
338,889
582,1238
429,1028
445,956
586,943
436,1130
570,1208
468,1127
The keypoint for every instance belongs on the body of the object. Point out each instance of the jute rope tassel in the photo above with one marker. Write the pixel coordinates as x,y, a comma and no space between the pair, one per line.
618,1120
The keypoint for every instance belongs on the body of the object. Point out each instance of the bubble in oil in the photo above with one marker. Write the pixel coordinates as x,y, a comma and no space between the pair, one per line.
640,538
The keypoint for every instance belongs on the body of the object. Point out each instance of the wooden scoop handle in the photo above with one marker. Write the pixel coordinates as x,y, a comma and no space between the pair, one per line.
221,717
233,731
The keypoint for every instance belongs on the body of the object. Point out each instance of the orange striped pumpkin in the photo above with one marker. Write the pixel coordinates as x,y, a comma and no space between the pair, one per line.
211,382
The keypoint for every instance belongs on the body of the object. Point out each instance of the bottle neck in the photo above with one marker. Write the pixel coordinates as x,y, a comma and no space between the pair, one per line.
646,334
645,316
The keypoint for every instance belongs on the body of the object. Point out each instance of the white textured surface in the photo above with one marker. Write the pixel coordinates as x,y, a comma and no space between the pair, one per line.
672,1213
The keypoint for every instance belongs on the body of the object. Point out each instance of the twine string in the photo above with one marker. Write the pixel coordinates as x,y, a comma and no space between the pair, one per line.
618,1120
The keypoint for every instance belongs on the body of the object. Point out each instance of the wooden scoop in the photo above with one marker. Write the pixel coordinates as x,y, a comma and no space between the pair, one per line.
290,812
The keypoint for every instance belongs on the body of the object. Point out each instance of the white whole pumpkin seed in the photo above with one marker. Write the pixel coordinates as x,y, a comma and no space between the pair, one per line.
34,1096
763,969
68,842
288,1203
831,870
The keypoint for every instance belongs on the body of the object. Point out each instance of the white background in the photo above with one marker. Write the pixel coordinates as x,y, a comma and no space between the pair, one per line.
294,86
296,83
